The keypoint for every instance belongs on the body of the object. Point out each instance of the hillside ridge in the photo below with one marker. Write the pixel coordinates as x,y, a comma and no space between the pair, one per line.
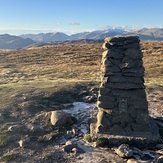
17,42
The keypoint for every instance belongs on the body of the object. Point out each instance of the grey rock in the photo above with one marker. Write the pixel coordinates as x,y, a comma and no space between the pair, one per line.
160,151
62,140
116,129
137,151
133,161
142,119
104,91
141,104
1,117
132,38
106,105
133,72
132,53
74,150
140,128
68,148
159,146
72,147
21,143
123,79
107,63
17,128
59,118
124,86
116,54
146,156
114,39
84,128
125,118
89,98
68,105
69,134
115,61
104,98
132,45
124,151
24,142
68,142
106,46
113,69
48,137
160,159
35,128
160,124
131,64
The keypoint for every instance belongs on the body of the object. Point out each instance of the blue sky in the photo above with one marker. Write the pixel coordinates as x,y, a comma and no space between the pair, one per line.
72,16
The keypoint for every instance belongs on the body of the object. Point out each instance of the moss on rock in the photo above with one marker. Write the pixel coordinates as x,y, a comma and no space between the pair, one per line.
87,137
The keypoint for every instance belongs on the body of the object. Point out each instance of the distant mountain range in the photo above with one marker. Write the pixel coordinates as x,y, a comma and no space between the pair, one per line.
17,42
151,34
14,42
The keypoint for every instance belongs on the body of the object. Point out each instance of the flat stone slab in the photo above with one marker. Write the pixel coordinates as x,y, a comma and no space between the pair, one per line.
137,139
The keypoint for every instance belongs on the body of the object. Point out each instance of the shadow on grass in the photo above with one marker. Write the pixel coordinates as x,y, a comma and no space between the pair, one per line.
56,100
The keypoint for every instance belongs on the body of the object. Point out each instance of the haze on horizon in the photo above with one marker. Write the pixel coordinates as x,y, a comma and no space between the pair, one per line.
39,16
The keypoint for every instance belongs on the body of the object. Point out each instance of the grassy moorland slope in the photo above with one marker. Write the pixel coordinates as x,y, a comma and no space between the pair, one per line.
48,68
51,68
43,78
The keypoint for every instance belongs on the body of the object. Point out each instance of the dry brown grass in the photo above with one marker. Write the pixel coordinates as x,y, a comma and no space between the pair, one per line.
48,68
38,79
63,65
68,61
52,68
77,62
153,63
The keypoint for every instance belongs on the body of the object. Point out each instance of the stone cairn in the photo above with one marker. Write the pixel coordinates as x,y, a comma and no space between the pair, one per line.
122,104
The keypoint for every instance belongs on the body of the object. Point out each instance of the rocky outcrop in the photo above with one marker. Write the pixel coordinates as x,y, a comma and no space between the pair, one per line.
124,151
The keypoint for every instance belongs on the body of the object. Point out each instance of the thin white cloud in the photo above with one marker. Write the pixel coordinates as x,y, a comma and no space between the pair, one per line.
58,24
74,23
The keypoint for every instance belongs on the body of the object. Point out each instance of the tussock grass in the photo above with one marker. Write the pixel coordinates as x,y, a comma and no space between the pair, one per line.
153,63
64,65
47,68
6,138
8,157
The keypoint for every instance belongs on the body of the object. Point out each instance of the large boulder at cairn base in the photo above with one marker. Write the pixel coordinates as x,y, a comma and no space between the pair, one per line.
59,118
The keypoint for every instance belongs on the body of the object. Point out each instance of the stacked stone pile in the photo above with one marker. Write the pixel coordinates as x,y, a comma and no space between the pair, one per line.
122,103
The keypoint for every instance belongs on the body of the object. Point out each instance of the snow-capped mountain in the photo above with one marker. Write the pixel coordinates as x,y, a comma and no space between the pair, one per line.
16,42
155,34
